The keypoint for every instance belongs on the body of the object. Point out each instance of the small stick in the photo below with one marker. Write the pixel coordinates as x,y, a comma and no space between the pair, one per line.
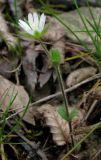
90,110
97,154
33,145
96,76
66,90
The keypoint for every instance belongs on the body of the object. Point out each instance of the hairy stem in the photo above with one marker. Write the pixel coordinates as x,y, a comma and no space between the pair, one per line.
65,100
63,92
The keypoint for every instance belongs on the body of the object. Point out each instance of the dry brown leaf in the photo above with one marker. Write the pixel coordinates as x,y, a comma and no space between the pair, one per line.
65,68
79,75
44,77
55,31
9,89
29,66
46,72
74,22
5,34
34,62
7,65
58,126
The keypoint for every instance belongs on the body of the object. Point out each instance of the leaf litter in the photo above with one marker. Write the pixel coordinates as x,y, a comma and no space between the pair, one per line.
38,79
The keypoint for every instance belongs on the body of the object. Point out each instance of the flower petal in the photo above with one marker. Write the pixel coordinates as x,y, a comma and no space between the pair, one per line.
30,20
25,26
42,22
36,21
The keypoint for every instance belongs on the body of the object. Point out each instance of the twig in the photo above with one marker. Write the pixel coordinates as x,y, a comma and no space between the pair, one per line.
90,110
58,94
97,154
84,130
66,90
15,69
33,145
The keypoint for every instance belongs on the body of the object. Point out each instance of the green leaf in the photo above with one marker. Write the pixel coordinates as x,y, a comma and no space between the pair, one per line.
73,113
37,35
55,56
63,113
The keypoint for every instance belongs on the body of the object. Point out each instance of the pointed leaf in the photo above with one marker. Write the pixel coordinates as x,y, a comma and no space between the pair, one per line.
62,111
73,114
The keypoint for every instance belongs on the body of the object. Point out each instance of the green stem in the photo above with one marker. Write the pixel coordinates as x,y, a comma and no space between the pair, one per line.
44,47
63,92
65,101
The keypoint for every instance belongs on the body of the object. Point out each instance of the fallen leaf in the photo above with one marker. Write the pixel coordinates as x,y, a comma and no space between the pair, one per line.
29,67
55,31
65,68
58,126
75,23
7,65
46,73
79,75
20,101
44,77
10,40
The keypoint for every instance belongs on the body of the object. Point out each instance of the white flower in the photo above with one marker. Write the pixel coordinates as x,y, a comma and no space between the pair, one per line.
34,24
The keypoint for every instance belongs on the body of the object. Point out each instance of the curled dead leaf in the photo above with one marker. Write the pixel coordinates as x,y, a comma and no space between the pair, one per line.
9,90
44,77
46,72
58,126
29,67
80,75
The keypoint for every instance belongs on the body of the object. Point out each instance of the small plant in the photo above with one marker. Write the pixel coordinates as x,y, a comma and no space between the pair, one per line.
55,58
4,122
63,110
35,27
72,114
